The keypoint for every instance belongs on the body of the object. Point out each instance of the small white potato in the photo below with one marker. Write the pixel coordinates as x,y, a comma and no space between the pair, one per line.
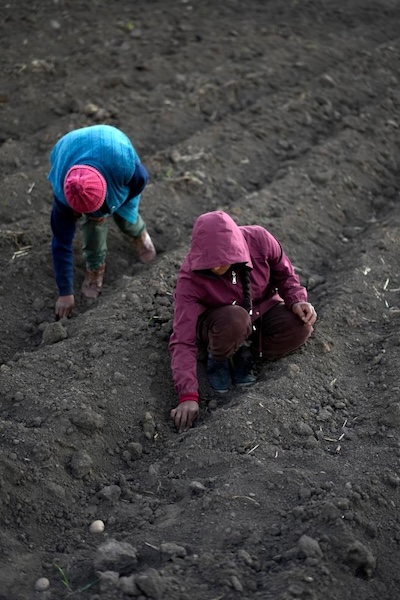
97,527
42,584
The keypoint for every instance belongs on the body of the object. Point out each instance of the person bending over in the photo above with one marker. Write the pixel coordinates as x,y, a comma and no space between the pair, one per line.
95,172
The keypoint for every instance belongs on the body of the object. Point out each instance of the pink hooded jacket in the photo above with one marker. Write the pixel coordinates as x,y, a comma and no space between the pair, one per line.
217,240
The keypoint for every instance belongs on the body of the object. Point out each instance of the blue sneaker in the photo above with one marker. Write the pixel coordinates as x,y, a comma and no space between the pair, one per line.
242,368
218,374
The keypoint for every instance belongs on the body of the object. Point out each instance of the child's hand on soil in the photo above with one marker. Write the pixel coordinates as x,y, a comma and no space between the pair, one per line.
306,312
64,306
184,415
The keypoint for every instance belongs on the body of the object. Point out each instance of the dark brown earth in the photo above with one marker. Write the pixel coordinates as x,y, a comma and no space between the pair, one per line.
282,113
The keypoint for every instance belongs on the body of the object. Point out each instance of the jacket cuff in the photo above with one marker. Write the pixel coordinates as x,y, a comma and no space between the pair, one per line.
192,396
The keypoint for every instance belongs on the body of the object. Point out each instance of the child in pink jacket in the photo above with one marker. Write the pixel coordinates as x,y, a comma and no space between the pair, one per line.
235,286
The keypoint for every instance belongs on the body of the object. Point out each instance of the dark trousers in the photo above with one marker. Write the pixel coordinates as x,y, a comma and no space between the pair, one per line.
278,332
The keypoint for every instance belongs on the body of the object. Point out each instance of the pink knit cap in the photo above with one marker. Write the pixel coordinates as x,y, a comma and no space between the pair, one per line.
84,188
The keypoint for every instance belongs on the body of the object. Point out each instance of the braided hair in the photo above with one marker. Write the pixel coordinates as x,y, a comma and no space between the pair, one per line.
244,274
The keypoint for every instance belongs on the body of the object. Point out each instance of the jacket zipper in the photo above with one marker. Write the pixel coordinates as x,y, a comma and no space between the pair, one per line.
234,281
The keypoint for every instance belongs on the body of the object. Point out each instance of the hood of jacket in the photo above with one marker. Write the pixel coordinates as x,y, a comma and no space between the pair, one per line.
217,240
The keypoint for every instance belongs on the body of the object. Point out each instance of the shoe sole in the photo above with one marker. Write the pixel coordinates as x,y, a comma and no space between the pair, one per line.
90,294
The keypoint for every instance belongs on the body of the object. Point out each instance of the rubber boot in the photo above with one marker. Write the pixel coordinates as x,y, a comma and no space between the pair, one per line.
242,364
93,283
218,374
144,247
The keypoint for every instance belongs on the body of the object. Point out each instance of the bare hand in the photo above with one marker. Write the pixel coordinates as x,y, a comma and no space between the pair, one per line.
184,414
306,312
64,306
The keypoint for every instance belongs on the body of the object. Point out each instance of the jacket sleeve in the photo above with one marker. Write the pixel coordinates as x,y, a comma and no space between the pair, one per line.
183,343
138,181
282,274
63,223
130,210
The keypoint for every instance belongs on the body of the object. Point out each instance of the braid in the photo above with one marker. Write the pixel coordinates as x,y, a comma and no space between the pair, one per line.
245,280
